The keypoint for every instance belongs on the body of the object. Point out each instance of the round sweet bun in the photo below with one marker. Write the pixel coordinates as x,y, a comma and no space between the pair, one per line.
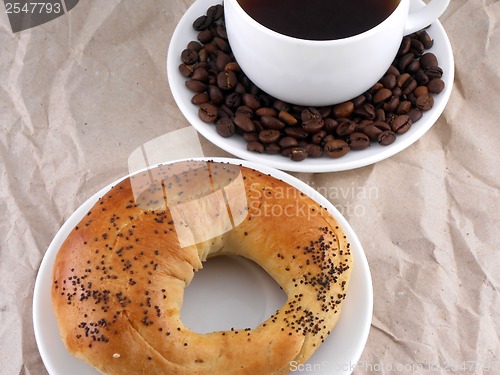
119,277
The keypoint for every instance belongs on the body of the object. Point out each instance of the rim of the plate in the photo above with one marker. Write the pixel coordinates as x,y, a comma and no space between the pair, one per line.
356,159
43,277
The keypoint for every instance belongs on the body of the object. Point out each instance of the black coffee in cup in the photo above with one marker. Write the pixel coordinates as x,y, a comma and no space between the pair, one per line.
319,19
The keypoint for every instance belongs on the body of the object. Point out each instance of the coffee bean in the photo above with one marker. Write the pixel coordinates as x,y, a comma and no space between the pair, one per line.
251,137
412,99
330,125
313,151
404,61
200,74
436,85
359,100
428,61
425,102
403,107
215,12
272,123
415,114
392,104
266,111
426,40
233,100
258,126
272,149
222,44
325,111
336,148
377,86
200,23
382,95
255,146
286,152
318,137
203,55
417,47
413,67
232,66
222,60
287,142
211,50
280,105
401,80
310,114
207,112
394,71
389,81
367,110
358,141
372,132
380,113
362,124
287,118
251,101
345,127
343,110
224,108
409,86
313,125
382,125
196,86
215,94
421,77
298,153
405,46
244,111
386,137
297,133
189,56
397,92
226,80
221,31
401,124
432,73
244,123
421,90
225,127
201,97
328,138
186,70
205,36
269,136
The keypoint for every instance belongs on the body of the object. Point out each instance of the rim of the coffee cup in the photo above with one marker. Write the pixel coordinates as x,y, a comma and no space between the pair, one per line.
348,39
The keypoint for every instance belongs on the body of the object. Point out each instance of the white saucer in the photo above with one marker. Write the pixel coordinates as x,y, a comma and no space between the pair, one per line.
336,356
184,33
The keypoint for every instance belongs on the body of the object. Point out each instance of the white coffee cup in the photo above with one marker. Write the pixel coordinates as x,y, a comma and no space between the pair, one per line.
321,72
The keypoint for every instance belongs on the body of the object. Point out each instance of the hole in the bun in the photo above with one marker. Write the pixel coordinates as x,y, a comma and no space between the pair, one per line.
230,292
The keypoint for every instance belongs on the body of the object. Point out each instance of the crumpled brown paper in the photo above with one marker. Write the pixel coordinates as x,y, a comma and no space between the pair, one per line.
79,94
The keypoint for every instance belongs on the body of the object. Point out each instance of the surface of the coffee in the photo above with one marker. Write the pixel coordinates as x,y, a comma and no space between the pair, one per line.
319,19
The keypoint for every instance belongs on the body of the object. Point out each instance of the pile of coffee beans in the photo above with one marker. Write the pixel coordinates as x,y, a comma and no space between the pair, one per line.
235,106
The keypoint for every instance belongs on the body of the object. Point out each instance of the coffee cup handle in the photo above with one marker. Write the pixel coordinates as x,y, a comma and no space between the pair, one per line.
423,17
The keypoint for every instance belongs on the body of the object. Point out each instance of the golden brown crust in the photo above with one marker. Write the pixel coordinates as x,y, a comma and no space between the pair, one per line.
119,278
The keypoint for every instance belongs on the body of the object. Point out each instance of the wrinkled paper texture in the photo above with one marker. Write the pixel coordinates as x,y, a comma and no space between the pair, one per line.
80,93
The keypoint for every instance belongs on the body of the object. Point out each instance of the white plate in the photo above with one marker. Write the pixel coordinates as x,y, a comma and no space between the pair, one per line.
184,33
337,355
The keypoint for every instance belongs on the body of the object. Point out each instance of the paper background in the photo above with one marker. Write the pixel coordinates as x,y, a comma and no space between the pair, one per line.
79,94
